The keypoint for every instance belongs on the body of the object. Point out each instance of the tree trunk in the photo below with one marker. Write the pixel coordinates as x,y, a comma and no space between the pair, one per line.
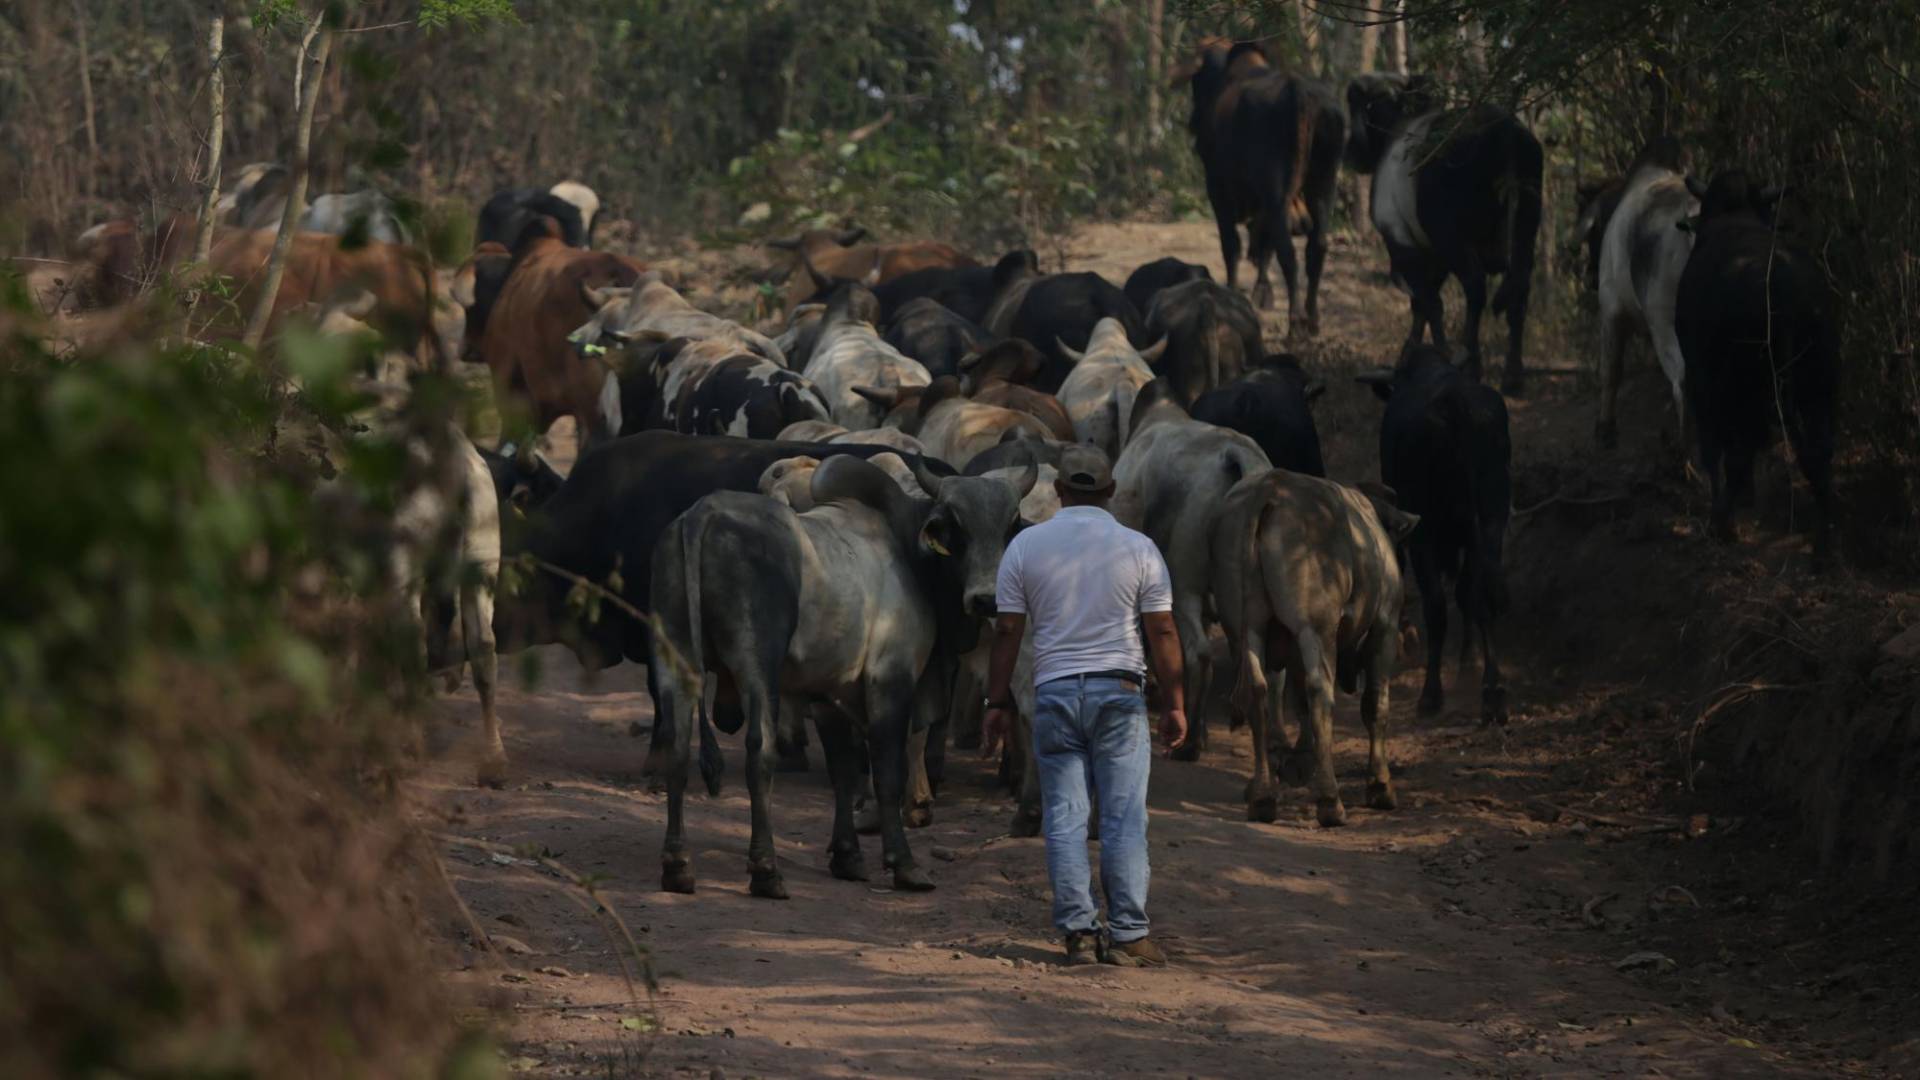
1367,43
86,97
216,134
1156,63
1397,37
297,190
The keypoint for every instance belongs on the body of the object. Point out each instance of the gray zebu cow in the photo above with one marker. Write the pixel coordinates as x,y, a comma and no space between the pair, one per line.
1169,483
1308,583
882,578
652,309
1643,253
848,352
1099,392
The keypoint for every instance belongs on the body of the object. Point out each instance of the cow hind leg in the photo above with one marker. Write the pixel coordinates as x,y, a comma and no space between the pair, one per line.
1296,763
1473,283
843,753
1224,219
1316,667
476,630
676,711
1280,238
1613,351
1373,711
1250,699
1259,248
762,709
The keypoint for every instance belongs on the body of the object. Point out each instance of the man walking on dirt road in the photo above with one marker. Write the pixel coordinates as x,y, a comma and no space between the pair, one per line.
1090,584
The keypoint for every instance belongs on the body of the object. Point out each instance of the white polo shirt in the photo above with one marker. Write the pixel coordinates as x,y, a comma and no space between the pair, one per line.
1084,580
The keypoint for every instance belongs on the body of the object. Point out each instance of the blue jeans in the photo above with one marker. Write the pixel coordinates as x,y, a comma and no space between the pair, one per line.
1092,730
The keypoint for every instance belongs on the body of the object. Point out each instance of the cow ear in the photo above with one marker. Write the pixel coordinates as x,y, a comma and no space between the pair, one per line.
1152,353
936,535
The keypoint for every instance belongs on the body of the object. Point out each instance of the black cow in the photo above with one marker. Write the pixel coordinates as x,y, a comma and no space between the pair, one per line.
1212,335
967,291
505,216
1444,451
1270,145
607,517
1150,278
1051,310
1272,406
843,607
934,334
1755,321
1454,193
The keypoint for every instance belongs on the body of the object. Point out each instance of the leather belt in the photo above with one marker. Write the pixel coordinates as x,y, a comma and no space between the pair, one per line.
1135,678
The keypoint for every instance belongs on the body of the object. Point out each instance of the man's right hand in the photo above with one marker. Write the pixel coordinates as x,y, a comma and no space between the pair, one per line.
995,728
1173,728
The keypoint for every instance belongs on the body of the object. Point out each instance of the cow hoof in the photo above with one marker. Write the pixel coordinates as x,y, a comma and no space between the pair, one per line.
848,865
918,817
768,885
1025,823
1263,808
677,878
1493,706
492,773
1432,700
866,819
1606,435
1380,795
1330,812
910,878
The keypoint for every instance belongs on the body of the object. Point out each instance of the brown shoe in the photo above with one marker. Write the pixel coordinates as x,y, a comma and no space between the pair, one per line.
1083,948
1141,952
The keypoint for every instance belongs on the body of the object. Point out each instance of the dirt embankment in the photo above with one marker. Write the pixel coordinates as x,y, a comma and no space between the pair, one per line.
1599,888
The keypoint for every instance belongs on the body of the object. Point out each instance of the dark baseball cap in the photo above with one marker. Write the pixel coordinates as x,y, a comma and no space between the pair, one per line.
1085,468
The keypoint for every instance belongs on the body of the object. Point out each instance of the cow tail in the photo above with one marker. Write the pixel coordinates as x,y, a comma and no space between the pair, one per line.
1524,172
712,766
1209,327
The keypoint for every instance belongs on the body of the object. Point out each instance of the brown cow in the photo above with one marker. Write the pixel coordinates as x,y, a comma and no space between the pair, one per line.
411,308
826,256
526,346
951,427
998,375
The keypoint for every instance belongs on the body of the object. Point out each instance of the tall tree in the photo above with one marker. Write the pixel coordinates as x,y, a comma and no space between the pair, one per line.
297,189
216,131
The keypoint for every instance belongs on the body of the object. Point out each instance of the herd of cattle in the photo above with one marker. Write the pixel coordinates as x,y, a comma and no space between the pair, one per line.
813,515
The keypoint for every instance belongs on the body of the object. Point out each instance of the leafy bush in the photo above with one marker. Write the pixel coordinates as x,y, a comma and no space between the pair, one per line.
202,866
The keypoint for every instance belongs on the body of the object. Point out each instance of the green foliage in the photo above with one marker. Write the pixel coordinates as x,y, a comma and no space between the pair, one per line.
198,858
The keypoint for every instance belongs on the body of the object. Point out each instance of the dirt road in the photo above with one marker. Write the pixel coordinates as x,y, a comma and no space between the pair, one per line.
1478,931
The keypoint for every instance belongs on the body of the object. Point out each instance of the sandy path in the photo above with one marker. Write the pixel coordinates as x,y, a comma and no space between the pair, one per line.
1443,939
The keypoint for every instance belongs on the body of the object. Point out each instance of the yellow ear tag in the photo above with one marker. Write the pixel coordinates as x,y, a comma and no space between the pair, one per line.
937,546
